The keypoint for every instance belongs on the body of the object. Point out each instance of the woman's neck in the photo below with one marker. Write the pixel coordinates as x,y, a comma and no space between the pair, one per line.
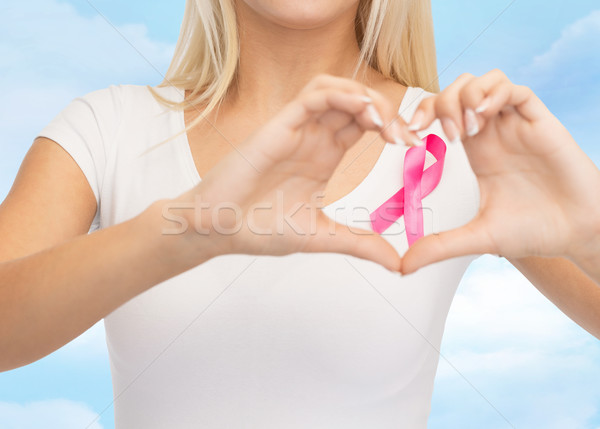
276,62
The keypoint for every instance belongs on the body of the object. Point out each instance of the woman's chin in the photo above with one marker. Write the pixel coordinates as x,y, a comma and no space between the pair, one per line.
302,15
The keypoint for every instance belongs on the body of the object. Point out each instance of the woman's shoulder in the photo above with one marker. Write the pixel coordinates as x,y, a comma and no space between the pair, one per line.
124,98
108,117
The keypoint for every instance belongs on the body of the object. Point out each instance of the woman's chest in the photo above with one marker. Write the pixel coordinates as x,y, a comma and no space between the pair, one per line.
329,322
209,144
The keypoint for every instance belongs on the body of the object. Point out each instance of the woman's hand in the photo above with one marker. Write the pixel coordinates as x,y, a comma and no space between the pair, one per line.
539,192
264,198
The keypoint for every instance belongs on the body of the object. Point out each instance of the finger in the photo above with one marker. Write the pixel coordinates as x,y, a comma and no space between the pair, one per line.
344,108
469,239
399,126
506,94
349,134
477,90
368,118
476,98
296,113
335,120
424,116
381,112
339,238
394,128
322,100
323,81
524,100
447,107
485,96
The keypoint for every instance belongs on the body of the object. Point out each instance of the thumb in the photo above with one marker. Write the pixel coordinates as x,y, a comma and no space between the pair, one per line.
469,239
339,238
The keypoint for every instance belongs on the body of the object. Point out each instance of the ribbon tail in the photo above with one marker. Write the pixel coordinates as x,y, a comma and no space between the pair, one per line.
388,213
413,212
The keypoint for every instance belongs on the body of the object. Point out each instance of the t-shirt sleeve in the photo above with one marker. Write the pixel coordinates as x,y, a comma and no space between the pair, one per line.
86,129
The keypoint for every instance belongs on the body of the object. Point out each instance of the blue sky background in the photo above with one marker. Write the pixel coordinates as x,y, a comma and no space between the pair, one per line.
507,350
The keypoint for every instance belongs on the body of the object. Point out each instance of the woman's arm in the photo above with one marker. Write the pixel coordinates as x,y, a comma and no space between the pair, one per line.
567,286
55,281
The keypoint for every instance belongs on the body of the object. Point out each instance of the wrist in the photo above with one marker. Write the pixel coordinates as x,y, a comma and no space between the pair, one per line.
584,242
175,232
585,252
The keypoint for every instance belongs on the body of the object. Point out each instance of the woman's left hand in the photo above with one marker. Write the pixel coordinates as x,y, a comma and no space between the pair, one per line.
538,190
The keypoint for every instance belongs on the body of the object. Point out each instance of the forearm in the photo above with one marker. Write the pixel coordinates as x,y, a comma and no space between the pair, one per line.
567,286
50,297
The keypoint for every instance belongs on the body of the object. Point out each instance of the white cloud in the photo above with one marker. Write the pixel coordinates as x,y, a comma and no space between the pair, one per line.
572,59
565,77
51,414
494,290
49,54
49,42
534,364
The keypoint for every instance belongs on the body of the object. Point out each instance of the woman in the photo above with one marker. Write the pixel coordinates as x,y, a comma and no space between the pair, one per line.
199,334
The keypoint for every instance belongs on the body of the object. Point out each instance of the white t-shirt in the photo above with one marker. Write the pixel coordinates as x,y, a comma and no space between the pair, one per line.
300,341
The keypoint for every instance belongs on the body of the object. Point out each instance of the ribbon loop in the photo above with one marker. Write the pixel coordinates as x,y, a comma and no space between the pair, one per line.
417,185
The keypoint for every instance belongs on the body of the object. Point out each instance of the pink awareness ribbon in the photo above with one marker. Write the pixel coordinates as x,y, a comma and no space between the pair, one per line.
417,185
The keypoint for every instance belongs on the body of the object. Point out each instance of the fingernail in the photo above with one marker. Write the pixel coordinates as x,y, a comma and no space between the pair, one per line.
484,105
416,121
399,141
366,99
375,116
417,141
451,129
471,122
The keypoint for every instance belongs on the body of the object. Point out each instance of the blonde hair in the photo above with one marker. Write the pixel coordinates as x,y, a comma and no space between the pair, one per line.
395,38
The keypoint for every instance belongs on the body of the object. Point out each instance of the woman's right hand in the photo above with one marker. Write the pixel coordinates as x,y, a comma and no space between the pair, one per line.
264,197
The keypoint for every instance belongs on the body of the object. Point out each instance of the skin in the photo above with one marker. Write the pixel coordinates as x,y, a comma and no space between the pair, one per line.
525,160
274,34
56,281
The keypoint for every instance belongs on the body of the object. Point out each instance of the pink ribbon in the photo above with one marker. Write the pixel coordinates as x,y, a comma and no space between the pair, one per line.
417,185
